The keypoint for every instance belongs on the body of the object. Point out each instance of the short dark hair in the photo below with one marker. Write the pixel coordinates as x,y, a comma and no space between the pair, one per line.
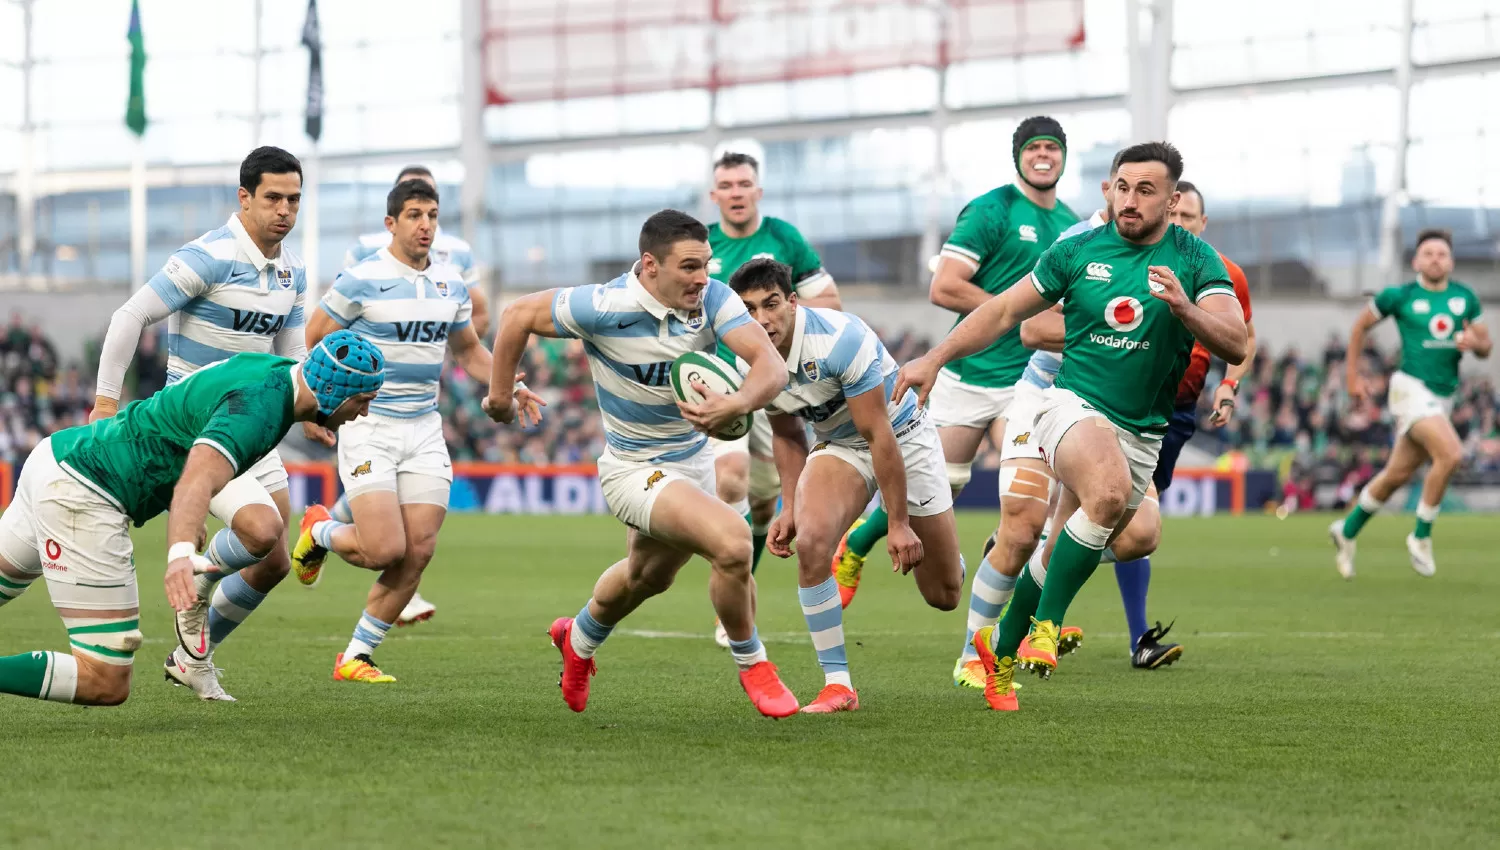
762,273
415,171
1435,233
408,190
668,227
266,160
730,159
1185,186
1162,152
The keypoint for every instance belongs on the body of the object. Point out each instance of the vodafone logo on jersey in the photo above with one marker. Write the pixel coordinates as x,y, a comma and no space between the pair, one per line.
1440,326
1123,313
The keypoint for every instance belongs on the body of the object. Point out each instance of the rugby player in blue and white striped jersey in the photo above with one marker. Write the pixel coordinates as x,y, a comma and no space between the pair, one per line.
657,471
236,288
840,380
395,466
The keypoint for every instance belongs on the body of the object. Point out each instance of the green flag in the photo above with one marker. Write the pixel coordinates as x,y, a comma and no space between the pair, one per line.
135,111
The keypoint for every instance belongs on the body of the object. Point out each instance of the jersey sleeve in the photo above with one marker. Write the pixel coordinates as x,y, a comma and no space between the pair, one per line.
188,274
1241,285
1053,273
975,236
239,428
1387,301
809,278
465,314
1210,277
855,359
724,309
575,311
344,301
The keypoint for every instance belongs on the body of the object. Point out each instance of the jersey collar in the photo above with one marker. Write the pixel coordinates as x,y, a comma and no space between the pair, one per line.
647,300
794,353
247,245
409,274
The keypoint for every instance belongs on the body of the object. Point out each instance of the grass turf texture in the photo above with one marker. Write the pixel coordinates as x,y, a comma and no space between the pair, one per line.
1307,712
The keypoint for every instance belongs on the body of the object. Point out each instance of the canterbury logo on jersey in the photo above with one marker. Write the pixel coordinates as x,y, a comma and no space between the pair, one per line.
1098,271
1027,233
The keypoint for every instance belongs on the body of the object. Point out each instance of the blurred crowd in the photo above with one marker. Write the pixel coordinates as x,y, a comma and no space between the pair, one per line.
1293,415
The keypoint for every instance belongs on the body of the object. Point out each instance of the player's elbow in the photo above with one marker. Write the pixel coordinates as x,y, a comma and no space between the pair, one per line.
1236,350
941,294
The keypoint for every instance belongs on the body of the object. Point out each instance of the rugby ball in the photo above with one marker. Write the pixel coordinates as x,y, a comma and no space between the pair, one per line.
714,373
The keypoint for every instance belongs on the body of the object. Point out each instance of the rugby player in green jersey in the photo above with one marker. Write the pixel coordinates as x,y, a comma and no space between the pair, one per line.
1136,293
996,241
1439,319
82,488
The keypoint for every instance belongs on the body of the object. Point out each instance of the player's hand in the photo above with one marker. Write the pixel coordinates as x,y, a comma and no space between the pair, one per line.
318,434
1164,286
1223,411
1354,385
780,535
714,412
904,547
499,409
181,594
1472,337
919,375
104,408
528,404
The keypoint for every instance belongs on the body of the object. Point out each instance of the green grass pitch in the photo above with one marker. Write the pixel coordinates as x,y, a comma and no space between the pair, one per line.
1306,712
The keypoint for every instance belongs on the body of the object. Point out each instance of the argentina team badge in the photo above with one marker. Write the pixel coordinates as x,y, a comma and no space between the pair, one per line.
284,278
441,286
810,370
695,320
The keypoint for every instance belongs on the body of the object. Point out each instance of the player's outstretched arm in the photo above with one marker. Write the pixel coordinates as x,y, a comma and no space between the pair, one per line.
767,375
977,331
1046,331
144,308
1354,383
525,316
206,472
789,448
951,288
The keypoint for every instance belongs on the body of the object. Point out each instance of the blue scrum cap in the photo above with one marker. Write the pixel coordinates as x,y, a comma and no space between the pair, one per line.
344,364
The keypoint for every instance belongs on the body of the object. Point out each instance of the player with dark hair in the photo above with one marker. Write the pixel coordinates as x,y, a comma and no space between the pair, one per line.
445,249
838,382
1136,293
175,452
656,472
745,470
236,288
1439,319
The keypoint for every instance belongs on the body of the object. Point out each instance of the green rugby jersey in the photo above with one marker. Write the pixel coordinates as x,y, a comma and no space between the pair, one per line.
241,406
1125,351
776,239
1428,321
1003,233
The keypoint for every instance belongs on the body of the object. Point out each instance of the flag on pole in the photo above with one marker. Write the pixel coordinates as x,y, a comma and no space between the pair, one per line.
312,40
135,109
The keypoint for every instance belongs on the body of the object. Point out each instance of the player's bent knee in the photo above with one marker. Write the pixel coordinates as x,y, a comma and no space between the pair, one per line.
733,555
944,597
1107,504
259,529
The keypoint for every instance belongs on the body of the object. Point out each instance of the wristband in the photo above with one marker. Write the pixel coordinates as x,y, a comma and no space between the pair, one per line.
1232,385
181,550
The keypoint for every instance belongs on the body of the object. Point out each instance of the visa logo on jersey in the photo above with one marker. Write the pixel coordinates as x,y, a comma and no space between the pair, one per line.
249,321
652,374
421,331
